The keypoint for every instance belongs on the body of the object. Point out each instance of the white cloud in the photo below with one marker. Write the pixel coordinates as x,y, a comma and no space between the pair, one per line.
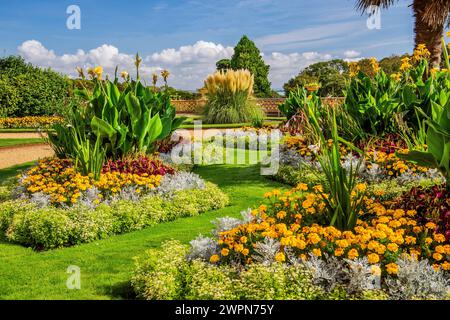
189,65
351,54
324,34
285,66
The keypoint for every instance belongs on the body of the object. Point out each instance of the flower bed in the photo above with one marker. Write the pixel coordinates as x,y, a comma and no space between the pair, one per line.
389,254
380,161
29,122
54,205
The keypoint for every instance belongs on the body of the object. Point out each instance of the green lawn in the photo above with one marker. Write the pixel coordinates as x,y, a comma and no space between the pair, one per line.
17,142
107,265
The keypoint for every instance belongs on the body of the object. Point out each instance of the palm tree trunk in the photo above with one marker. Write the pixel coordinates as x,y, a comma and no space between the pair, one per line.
427,34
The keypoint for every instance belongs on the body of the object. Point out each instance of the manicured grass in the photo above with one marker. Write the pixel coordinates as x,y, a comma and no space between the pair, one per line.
107,265
18,142
10,172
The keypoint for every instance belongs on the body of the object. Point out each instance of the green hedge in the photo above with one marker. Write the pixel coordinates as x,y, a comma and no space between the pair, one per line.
45,228
166,274
26,90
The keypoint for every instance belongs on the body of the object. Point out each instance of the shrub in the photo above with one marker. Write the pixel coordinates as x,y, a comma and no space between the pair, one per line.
50,227
295,175
26,90
167,274
229,98
157,275
277,282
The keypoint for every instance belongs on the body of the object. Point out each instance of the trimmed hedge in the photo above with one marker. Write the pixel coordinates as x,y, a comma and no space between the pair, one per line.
26,90
46,228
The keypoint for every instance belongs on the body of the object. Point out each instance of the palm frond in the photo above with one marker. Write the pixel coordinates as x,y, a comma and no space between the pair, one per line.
436,13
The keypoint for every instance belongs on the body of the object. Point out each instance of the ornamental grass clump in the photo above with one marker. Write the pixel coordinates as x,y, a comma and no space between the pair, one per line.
229,98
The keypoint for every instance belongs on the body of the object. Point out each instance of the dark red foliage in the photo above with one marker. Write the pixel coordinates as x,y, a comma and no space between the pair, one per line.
431,204
166,145
140,166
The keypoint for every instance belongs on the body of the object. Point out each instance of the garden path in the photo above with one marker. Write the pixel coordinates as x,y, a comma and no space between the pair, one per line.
11,156
20,135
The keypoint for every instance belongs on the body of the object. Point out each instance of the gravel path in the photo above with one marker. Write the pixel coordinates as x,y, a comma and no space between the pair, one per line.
11,156
20,135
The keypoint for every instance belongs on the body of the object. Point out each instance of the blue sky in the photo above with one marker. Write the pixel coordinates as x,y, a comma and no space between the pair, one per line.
187,37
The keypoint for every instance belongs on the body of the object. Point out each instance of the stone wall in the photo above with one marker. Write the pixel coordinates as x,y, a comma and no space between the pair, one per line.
269,105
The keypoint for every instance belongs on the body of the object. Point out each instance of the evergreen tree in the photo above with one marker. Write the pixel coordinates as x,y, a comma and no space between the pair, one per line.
247,56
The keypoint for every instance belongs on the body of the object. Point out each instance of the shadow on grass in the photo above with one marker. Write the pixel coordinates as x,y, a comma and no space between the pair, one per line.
10,172
121,290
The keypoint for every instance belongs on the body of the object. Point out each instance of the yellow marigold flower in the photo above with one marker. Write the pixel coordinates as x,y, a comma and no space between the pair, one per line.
437,256
447,248
281,214
436,267
338,252
276,192
353,254
410,240
224,252
392,268
373,258
267,194
361,187
280,257
314,238
302,187
438,237
445,265
245,252
439,249
243,239
317,252
381,249
214,258
428,240
430,225
392,247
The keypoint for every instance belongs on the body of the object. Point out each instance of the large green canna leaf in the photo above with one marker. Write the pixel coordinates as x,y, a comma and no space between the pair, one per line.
133,107
155,128
102,128
424,159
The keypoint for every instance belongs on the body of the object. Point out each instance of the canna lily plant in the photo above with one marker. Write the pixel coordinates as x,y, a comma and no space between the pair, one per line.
124,121
438,129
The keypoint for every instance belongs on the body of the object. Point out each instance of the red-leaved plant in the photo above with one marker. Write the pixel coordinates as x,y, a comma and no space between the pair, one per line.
432,204
140,165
